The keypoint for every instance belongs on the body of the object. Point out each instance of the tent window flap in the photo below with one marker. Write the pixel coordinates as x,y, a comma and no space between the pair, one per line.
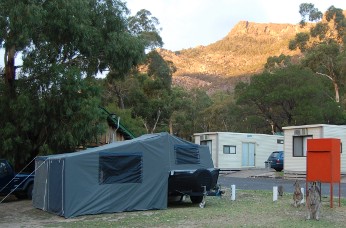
186,154
120,168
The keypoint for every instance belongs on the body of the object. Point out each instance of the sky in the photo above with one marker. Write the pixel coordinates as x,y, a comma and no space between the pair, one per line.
190,23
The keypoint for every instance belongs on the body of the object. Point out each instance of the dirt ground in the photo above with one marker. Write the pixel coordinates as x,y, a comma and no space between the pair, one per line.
19,213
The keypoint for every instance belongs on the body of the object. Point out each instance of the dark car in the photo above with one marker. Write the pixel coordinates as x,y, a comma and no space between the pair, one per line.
276,160
20,184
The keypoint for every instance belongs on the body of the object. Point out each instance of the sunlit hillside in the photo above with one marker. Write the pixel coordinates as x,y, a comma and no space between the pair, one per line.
243,52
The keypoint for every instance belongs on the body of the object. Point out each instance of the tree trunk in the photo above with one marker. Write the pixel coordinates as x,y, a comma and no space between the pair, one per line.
336,88
121,102
335,84
120,96
10,70
146,126
157,120
170,126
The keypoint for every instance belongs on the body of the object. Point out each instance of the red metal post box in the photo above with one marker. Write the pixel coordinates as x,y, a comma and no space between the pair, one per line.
323,162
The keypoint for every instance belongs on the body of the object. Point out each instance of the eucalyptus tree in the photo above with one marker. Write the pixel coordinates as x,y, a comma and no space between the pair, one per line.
275,62
179,113
144,27
90,34
150,96
289,96
200,101
324,44
49,101
325,60
218,113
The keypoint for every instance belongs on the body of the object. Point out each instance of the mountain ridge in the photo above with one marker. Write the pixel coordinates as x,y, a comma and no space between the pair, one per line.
240,54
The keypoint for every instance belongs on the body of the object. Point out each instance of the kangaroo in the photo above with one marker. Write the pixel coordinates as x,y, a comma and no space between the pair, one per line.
280,190
313,202
297,194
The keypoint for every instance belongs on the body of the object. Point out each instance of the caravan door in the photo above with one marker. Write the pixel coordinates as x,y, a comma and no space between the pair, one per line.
248,154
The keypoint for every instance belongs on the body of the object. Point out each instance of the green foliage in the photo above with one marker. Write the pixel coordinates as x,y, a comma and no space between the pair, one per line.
300,41
323,59
54,119
160,70
275,62
144,26
341,65
134,125
320,31
290,96
284,95
308,10
180,121
324,44
52,107
200,101
337,16
89,34
149,104
148,98
215,112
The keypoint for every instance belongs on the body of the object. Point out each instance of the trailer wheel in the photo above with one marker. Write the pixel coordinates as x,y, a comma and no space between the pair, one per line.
196,199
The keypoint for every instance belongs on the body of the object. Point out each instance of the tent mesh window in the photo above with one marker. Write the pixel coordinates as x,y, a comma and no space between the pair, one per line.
120,168
186,154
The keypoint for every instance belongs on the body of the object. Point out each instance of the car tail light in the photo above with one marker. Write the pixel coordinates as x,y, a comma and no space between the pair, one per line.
277,161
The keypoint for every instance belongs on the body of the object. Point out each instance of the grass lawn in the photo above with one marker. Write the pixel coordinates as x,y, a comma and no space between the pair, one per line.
250,209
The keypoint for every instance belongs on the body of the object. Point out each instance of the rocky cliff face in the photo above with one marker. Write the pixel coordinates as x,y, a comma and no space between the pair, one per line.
257,29
243,52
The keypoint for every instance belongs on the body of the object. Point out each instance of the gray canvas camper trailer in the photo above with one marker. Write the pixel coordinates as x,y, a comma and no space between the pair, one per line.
122,176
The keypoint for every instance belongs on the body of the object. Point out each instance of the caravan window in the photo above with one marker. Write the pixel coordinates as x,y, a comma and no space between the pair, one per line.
120,168
186,154
229,149
300,145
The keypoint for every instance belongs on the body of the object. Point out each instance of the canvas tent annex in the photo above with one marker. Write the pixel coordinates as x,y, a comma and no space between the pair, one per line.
122,176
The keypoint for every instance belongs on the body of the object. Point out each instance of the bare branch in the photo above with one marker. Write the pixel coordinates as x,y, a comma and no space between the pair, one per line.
145,125
157,119
325,76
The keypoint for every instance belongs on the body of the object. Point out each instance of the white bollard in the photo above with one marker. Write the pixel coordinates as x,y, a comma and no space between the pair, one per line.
303,193
275,193
233,192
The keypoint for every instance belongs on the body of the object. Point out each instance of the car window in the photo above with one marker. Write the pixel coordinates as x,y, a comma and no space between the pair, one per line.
275,155
3,169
